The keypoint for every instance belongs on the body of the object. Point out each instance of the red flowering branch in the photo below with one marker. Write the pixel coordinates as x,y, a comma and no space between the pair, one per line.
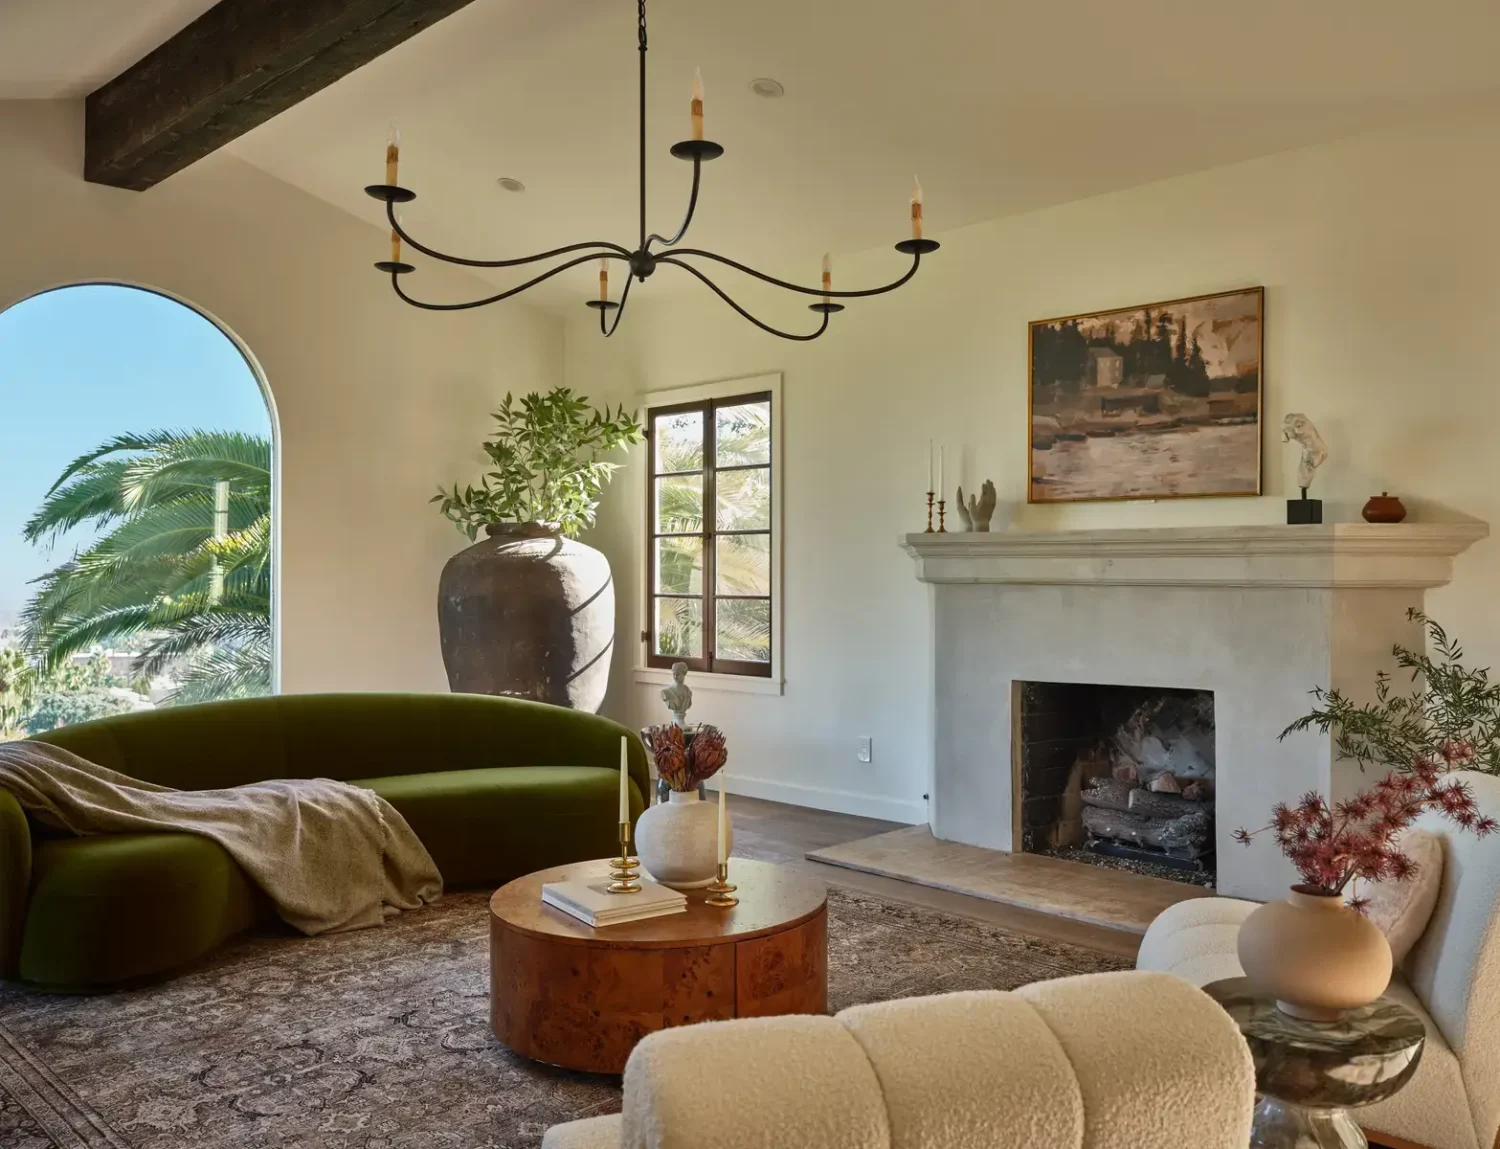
1332,845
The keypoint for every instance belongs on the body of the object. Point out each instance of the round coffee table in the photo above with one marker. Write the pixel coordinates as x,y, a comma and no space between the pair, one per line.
570,995
1309,1074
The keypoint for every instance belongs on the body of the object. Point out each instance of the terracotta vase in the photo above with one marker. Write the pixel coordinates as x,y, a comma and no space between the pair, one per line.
678,841
528,614
1314,955
1384,508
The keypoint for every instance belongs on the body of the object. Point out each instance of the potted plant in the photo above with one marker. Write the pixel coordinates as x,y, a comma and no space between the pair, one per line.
678,840
528,610
1316,953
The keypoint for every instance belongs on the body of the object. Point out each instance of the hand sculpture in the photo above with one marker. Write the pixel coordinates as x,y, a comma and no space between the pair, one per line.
978,512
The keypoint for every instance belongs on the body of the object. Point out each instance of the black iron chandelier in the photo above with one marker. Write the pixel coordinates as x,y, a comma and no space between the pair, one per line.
643,261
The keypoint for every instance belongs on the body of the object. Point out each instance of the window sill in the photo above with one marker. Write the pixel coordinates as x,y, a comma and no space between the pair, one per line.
727,683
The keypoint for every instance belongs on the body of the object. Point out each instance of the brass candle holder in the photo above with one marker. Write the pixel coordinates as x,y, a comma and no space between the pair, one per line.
720,890
625,871
942,517
928,531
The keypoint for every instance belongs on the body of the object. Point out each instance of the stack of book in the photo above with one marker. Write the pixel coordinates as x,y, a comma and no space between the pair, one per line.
593,904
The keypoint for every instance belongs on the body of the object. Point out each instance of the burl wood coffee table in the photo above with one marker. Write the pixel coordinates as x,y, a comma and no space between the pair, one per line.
567,994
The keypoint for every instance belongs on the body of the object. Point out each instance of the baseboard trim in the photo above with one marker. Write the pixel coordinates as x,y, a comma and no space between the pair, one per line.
839,801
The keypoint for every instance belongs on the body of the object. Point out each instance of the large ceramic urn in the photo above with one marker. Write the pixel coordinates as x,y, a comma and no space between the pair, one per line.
528,613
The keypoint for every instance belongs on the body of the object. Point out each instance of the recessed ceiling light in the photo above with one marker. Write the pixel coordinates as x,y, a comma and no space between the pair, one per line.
767,87
511,185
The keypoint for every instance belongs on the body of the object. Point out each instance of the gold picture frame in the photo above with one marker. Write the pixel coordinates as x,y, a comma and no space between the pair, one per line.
1160,400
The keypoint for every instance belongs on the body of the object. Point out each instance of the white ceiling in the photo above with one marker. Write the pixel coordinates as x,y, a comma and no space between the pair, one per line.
1000,106
50,49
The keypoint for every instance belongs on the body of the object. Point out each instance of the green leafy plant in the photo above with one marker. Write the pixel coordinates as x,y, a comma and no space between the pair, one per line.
1450,717
18,680
546,464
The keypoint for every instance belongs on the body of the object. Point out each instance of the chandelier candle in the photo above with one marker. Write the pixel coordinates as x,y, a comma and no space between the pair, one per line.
604,281
827,276
916,208
697,104
650,250
392,156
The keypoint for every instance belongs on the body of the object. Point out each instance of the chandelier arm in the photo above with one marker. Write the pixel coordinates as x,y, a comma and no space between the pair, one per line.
619,311
717,290
691,208
916,262
390,211
558,270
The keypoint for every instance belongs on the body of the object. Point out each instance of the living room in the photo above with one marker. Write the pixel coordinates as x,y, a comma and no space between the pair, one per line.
1181,359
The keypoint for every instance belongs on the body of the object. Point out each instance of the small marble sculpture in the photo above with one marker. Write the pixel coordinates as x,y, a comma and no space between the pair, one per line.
978,512
1296,428
678,696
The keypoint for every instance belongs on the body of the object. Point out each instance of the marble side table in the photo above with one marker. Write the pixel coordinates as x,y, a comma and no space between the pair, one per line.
1309,1074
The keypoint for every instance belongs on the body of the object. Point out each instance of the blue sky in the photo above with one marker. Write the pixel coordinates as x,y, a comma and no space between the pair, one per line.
83,364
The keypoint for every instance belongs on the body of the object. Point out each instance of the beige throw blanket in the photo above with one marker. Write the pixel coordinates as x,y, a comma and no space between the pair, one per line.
330,855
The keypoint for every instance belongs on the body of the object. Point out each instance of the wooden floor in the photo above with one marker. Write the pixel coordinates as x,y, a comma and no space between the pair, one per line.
780,833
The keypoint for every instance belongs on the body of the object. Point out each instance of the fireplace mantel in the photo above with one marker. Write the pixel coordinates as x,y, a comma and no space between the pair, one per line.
1414,555
1258,615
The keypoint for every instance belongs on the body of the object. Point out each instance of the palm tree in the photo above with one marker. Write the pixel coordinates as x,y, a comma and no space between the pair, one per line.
184,563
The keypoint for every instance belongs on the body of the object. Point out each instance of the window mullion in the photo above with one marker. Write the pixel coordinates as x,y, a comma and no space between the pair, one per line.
710,525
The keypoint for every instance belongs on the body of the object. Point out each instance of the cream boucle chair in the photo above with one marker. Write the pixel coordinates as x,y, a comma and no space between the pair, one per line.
1451,977
1104,1061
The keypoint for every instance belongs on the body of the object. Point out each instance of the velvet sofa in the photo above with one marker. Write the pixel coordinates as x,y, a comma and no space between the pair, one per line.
494,787
1103,1061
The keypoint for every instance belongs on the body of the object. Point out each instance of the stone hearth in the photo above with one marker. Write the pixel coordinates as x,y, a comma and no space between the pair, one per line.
1256,615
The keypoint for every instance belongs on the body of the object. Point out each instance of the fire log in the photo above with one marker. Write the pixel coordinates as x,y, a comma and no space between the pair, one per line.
1189,834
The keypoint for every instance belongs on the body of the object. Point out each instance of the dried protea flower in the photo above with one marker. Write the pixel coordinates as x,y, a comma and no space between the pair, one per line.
669,752
706,753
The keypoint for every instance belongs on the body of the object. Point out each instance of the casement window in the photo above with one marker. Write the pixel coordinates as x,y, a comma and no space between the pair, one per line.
711,558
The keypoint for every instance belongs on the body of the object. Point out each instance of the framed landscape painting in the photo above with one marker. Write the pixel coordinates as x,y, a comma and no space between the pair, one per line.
1160,401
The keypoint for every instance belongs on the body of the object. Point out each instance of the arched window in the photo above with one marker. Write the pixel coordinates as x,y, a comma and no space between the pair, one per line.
136,529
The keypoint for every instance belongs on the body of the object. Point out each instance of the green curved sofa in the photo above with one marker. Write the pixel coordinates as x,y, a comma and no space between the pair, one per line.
494,787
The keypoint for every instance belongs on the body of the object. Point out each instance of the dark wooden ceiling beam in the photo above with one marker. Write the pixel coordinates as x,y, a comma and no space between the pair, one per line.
235,67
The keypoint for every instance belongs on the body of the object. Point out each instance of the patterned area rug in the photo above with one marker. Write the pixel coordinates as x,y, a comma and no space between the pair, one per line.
380,1039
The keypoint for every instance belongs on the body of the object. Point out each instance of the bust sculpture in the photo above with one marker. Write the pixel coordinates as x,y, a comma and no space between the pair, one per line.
678,696
1297,428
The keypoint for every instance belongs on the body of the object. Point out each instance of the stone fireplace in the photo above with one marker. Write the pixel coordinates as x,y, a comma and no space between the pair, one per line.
1255,616
1117,775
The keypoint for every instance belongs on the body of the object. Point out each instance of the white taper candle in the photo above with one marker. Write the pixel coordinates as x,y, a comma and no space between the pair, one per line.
624,782
723,820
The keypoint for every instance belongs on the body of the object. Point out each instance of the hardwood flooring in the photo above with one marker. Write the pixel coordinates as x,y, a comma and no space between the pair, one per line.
777,832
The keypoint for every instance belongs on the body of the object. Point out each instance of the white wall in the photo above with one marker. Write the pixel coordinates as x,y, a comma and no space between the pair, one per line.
378,402
1379,256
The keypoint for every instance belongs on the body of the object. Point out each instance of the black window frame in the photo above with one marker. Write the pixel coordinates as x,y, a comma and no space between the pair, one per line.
708,662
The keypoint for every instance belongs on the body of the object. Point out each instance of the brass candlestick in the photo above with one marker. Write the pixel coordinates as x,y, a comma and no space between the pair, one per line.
625,871
720,891
942,517
928,531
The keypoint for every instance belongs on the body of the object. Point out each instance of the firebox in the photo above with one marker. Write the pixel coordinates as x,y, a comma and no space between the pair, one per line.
1117,775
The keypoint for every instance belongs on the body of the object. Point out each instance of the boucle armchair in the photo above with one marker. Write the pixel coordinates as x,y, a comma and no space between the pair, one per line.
1103,1061
1451,978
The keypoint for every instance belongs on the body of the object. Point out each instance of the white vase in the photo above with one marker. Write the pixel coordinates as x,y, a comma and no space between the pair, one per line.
678,841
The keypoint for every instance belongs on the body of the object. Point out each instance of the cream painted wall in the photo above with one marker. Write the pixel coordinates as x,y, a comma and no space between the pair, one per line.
377,402
1379,258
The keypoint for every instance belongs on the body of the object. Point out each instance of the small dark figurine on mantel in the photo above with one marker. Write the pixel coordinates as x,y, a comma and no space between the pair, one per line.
1296,428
